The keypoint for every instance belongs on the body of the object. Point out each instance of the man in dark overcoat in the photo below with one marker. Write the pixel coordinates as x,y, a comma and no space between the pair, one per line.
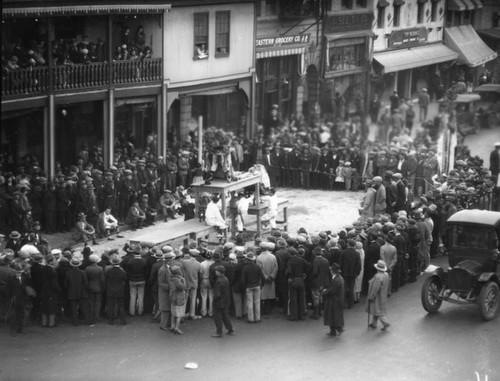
333,297
115,280
221,301
350,265
76,286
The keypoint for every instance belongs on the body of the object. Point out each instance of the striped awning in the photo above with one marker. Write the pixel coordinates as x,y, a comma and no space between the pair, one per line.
472,51
469,5
68,10
405,59
478,3
279,52
456,5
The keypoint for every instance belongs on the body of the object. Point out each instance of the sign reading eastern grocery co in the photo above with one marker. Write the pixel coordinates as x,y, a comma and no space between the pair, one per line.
268,42
348,23
407,37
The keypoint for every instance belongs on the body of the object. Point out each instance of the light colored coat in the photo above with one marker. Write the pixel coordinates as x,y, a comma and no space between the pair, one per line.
377,291
368,205
269,265
164,288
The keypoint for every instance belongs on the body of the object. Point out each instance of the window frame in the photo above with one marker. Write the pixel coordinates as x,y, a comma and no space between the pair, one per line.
218,54
361,3
197,37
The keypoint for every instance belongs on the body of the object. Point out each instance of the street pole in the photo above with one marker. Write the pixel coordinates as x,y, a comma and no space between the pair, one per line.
200,139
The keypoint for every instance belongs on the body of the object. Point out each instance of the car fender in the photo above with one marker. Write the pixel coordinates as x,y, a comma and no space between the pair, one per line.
435,271
486,277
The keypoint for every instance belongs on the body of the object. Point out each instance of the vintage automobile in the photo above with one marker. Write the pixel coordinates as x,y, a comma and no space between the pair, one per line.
467,113
489,106
473,275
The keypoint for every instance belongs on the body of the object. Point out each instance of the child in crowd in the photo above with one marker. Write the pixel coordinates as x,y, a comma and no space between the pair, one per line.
339,178
347,173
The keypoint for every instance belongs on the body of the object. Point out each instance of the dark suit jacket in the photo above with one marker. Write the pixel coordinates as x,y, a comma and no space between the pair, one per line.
350,263
76,284
16,289
222,293
115,282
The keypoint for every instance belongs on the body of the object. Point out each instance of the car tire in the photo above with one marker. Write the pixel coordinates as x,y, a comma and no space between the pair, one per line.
430,289
489,301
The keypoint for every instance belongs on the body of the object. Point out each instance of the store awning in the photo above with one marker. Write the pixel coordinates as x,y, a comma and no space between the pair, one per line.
469,5
456,5
70,10
491,33
478,4
404,59
472,51
279,52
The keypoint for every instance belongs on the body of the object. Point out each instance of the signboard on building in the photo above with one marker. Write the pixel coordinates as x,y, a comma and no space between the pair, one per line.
405,38
278,41
348,22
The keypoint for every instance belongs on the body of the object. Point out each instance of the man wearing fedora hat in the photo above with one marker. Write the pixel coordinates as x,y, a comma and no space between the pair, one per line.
84,230
376,303
333,296
115,280
137,273
164,288
222,300
153,280
252,279
76,286
16,295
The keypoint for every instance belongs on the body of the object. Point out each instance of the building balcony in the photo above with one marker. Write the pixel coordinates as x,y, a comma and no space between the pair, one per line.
35,81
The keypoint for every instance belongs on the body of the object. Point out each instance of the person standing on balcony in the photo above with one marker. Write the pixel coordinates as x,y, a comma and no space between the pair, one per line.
126,38
140,38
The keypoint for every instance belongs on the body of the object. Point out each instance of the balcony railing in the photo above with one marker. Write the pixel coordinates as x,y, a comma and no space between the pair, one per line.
31,81
35,81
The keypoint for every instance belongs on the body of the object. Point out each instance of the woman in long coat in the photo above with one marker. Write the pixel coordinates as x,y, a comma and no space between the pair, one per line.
376,304
333,298
164,291
267,261
49,292
359,278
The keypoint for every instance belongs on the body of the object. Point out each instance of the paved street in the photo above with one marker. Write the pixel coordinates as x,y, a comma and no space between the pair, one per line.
451,345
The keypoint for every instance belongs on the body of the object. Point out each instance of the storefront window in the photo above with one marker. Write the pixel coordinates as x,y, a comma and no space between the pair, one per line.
79,132
135,126
21,138
347,55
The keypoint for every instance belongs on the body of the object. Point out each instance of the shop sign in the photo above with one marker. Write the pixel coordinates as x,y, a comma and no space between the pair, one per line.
407,37
273,42
348,22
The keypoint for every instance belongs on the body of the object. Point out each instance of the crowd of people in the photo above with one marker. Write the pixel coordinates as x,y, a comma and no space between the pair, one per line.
68,51
401,226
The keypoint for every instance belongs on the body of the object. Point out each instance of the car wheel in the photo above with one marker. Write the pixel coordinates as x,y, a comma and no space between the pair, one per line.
489,300
430,294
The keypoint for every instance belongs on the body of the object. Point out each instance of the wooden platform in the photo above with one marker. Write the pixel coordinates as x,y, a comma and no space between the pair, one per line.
174,230
259,210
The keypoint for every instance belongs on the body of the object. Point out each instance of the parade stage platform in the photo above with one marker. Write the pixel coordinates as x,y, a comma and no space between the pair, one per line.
175,230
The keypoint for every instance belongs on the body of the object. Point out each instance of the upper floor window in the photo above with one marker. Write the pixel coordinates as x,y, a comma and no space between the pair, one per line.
347,55
434,6
222,34
347,4
299,8
380,17
361,3
397,14
266,8
420,12
201,35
